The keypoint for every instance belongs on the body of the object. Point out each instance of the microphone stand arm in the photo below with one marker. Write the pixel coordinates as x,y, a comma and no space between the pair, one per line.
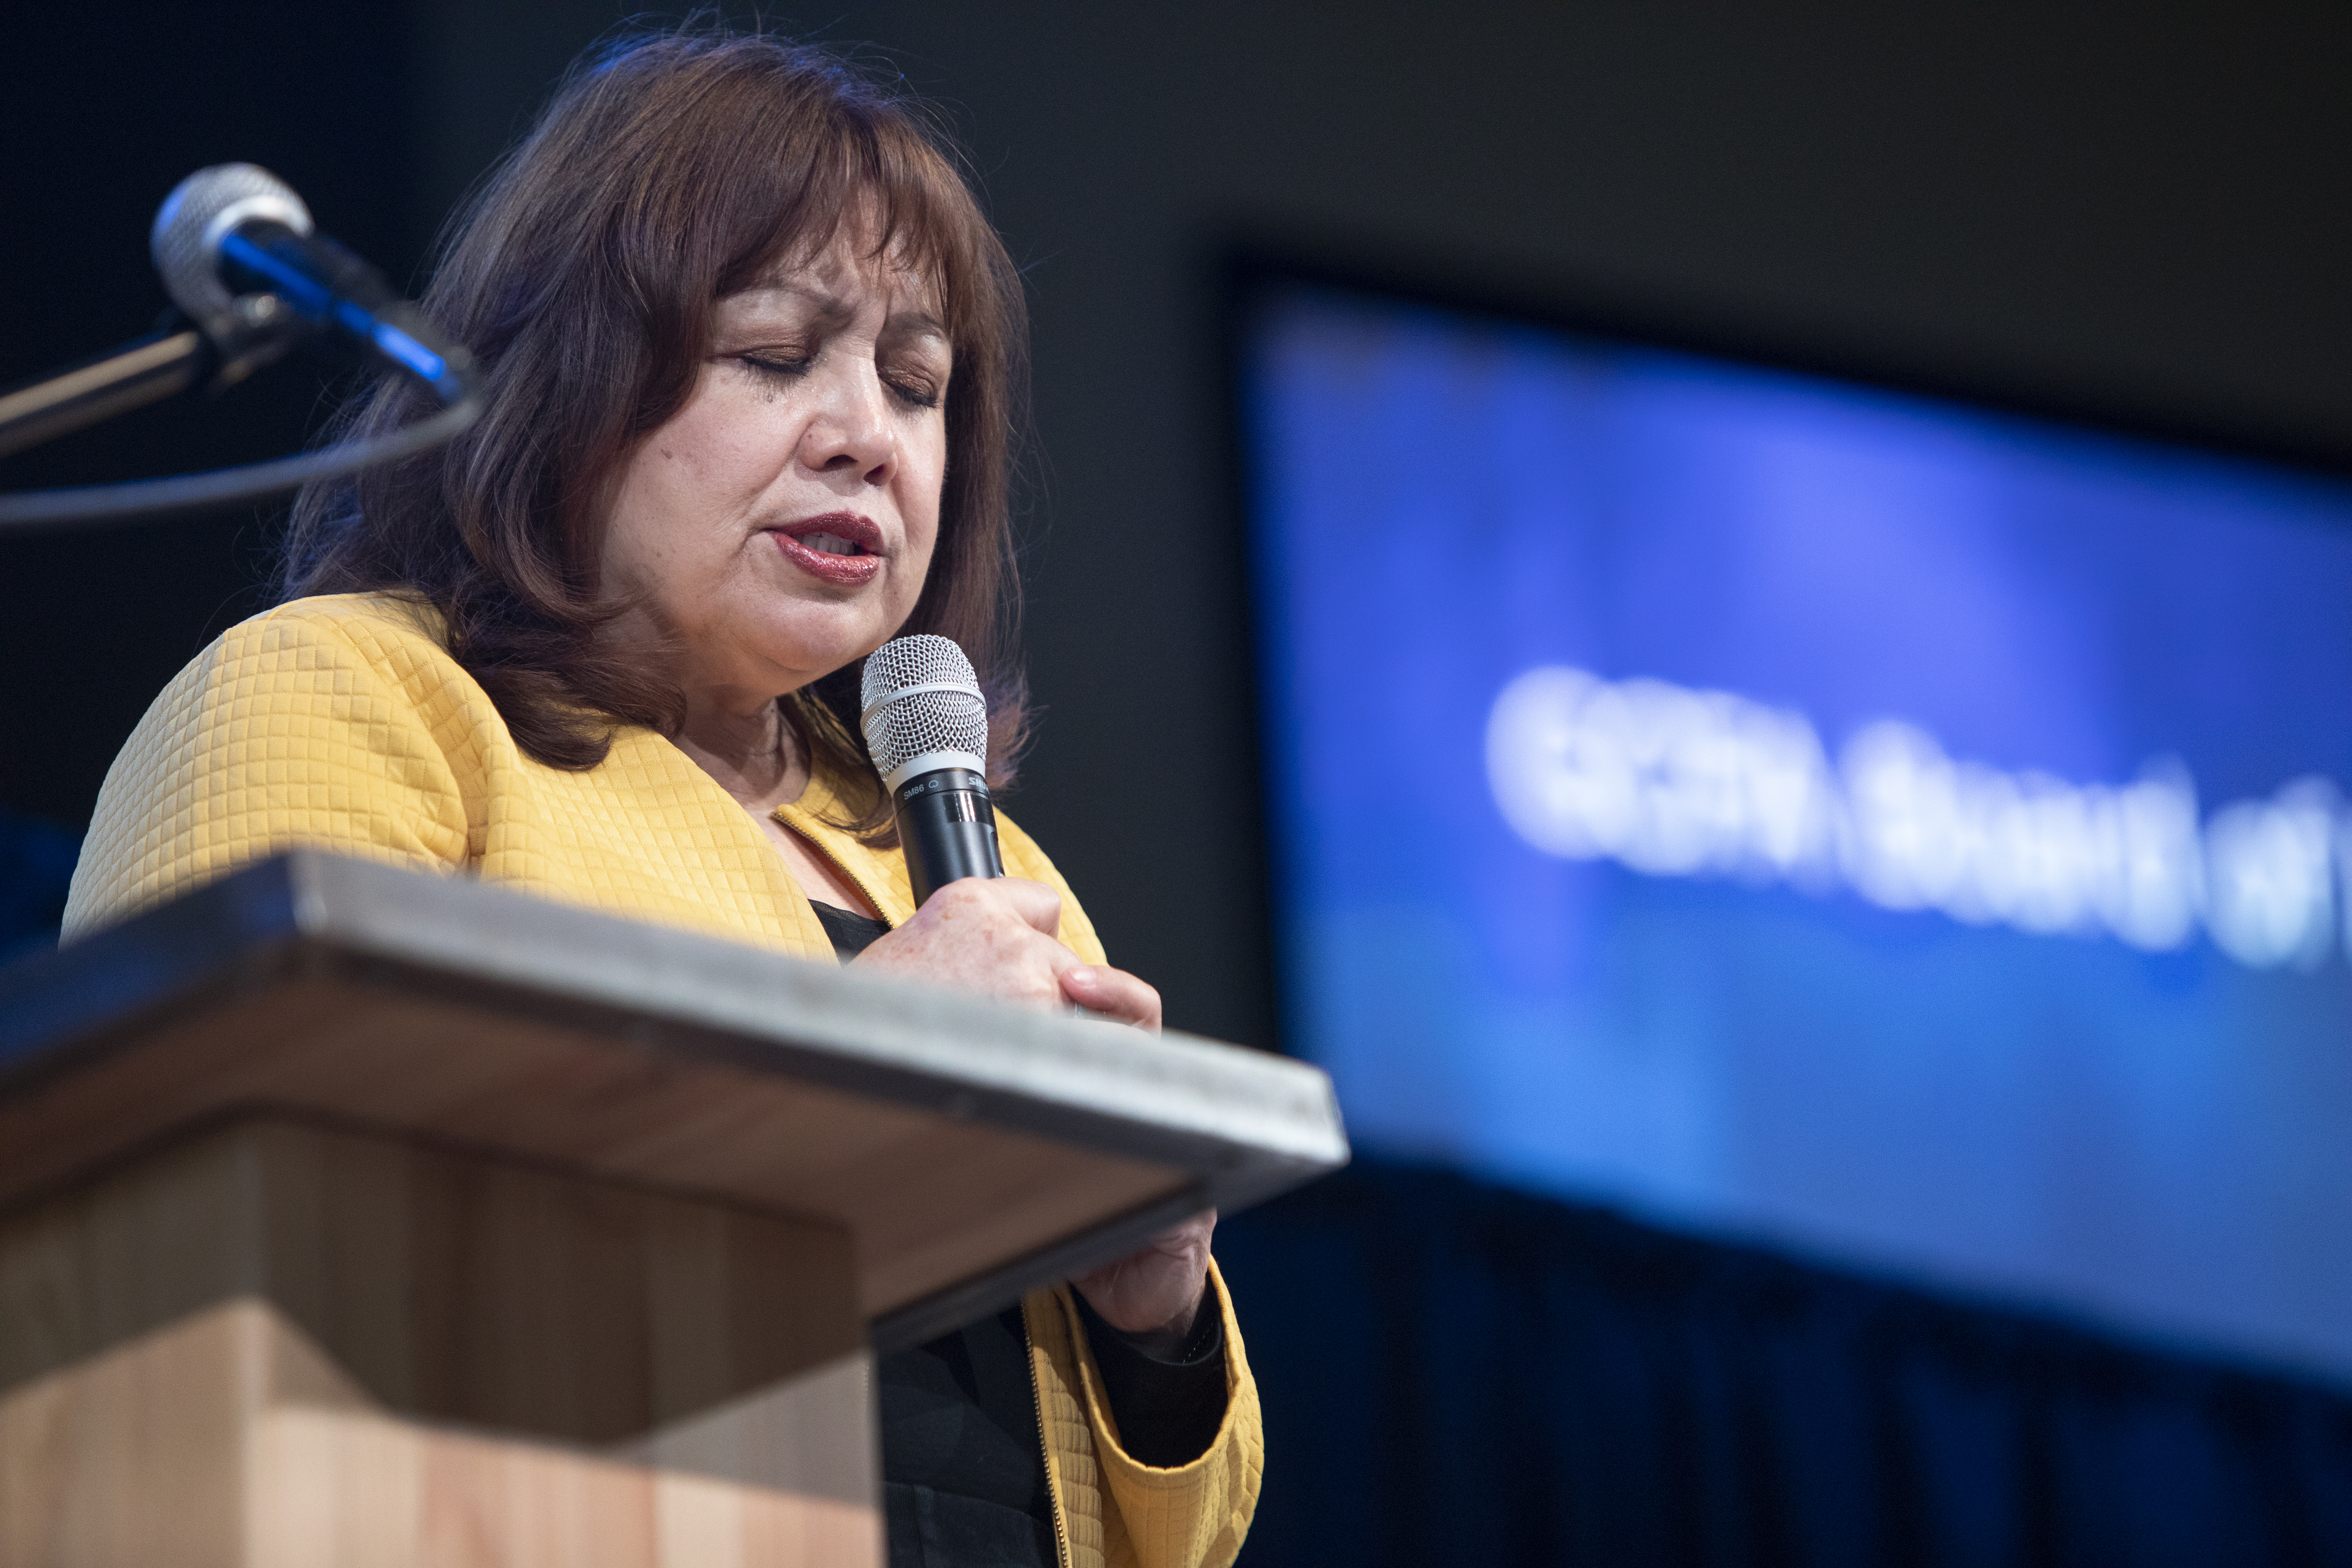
141,371
156,367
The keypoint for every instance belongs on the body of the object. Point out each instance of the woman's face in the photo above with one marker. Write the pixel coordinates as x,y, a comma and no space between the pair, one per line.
780,524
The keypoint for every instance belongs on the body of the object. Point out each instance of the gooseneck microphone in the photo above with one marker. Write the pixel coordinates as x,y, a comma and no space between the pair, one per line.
925,723
238,253
239,257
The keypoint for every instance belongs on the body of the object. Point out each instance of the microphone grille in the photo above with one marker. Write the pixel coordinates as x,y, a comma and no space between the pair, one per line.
196,215
922,709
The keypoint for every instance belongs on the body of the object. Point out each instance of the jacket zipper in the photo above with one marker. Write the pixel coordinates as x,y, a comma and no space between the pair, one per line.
833,860
1045,1447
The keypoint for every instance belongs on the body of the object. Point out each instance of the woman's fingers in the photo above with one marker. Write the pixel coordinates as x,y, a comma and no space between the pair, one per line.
1112,992
992,936
997,937
1033,904
1154,1294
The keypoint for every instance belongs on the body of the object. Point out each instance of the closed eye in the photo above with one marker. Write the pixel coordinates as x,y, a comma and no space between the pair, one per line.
917,391
773,364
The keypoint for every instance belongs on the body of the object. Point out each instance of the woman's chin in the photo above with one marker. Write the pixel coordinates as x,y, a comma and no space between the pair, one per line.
815,646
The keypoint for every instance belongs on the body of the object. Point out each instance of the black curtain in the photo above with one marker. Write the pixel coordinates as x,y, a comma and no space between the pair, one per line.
1454,1374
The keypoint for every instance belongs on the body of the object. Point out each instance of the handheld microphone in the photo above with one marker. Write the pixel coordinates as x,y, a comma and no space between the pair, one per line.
926,723
238,253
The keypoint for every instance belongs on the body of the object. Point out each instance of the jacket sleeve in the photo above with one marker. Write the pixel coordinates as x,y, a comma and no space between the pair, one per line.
294,728
1119,1511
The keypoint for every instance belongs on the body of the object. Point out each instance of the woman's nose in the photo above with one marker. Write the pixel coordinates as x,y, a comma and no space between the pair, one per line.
852,431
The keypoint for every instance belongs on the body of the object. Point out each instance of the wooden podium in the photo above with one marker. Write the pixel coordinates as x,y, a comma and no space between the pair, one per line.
351,1216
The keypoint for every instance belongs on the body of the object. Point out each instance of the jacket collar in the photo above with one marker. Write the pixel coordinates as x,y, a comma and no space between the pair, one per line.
880,874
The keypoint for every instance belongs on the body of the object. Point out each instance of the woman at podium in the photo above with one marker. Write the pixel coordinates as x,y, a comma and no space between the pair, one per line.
753,364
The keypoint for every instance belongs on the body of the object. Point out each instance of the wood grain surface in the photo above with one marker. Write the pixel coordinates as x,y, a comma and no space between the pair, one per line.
276,1343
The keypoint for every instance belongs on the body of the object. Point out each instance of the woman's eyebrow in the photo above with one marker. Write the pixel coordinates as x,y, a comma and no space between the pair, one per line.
917,323
829,306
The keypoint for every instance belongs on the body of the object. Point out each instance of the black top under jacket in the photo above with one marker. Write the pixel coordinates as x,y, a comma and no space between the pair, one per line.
963,1463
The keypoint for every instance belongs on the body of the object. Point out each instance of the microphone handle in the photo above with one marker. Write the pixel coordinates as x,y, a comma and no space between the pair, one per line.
946,827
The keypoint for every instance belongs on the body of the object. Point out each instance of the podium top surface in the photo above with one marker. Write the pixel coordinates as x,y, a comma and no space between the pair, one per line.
973,1150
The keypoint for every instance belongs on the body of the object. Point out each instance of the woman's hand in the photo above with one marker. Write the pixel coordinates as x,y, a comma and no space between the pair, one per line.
995,936
1153,1296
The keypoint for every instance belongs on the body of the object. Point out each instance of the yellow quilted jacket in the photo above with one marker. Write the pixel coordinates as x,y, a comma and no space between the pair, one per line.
341,722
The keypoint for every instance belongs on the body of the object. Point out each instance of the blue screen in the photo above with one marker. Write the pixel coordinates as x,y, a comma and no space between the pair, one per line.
1792,809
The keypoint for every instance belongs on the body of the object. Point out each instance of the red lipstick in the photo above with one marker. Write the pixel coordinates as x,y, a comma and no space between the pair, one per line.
838,547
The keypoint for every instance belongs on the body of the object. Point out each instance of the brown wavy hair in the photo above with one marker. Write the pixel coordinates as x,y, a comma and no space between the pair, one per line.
670,171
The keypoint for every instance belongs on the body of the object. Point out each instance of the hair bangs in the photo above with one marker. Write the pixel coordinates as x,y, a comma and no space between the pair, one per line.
905,202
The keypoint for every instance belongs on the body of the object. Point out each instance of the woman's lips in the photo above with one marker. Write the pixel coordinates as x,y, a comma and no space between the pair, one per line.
839,547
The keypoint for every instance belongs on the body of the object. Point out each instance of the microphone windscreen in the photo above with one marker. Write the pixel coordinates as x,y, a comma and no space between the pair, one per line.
922,709
199,212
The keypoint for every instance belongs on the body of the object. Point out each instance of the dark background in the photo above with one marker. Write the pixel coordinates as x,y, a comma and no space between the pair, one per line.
2141,215
2145,212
